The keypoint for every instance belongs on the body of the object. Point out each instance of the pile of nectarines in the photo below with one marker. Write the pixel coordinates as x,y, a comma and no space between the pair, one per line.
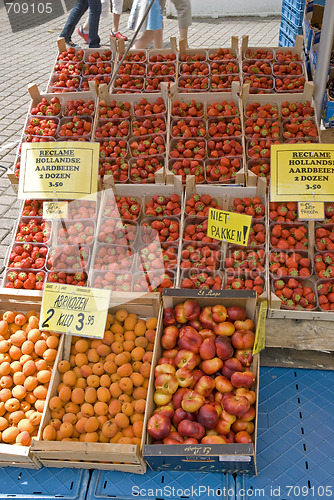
26,359
102,394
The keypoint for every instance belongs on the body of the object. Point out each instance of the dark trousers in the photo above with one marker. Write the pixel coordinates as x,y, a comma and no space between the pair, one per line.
94,18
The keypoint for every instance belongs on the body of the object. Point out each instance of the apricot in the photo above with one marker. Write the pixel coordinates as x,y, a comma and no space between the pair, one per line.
115,407
140,405
6,382
40,405
98,369
20,319
40,392
146,382
82,345
126,384
3,424
127,409
138,428
66,429
117,436
90,395
33,320
150,347
71,407
151,323
41,364
30,398
116,328
70,417
101,408
65,393
128,345
29,368
110,367
108,338
25,425
135,417
19,392
70,378
93,381
141,342
15,352
40,347
80,359
10,434
55,403
92,424
16,366
34,335
115,390
137,379
80,425
78,396
93,356
136,365
2,408
27,347
140,393
87,410
103,350
85,371
121,420
12,404
49,433
117,347
136,441
91,437
52,342
18,338
44,376
128,432
8,316
58,414
13,328
130,322
19,378
105,380
81,383
63,366
103,394
115,377
129,335
137,353
125,370
140,328
50,355
95,343
23,438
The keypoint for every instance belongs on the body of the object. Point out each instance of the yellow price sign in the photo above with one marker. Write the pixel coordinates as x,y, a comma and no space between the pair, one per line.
62,170
229,226
302,172
55,209
311,210
74,310
260,335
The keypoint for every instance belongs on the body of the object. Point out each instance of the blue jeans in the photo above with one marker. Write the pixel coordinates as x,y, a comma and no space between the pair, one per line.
94,18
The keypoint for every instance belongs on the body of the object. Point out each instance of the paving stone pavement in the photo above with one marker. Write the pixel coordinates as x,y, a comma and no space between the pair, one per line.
28,56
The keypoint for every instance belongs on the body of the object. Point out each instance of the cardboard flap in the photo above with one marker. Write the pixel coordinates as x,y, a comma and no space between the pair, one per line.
121,47
113,45
235,90
93,86
308,90
174,180
61,45
299,43
34,92
235,43
245,91
173,43
261,186
244,44
103,91
190,184
183,45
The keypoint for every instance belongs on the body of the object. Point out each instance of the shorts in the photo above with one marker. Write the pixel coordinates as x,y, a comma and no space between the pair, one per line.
117,6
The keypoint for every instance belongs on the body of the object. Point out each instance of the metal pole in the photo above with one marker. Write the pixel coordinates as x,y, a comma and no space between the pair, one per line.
131,42
325,48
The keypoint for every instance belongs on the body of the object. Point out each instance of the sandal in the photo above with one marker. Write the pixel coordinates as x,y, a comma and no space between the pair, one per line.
85,36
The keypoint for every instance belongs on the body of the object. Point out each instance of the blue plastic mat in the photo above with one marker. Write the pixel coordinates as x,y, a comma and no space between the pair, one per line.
295,454
44,484
163,485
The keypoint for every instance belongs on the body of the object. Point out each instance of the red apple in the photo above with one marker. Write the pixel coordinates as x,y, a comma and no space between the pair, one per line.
213,440
192,401
211,366
244,325
240,425
207,334
245,356
243,437
180,414
189,339
197,374
228,417
230,437
188,428
164,368
210,398
236,313
224,347
195,323
178,396
169,337
167,410
205,385
250,395
169,361
158,426
207,416
184,377
166,383
223,427
219,313
168,440
206,318
243,379
161,399
249,415
190,441
217,406
170,353
243,339
186,359
223,384
211,432
169,316
236,405
187,311
208,349
225,328
176,436
230,366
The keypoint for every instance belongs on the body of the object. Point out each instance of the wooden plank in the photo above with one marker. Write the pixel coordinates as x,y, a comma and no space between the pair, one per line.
293,358
133,468
300,334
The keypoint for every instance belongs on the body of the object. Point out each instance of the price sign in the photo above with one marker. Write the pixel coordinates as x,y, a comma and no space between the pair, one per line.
260,335
302,172
229,226
74,310
55,210
314,210
61,170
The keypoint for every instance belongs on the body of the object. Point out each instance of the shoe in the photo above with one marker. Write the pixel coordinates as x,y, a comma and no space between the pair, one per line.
85,36
72,44
118,35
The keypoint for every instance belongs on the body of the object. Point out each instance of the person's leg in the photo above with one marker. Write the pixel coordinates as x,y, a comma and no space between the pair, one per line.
158,39
183,9
145,39
76,13
115,22
94,19
85,26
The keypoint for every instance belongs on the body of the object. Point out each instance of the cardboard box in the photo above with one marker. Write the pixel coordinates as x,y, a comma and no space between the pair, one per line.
120,457
10,455
314,52
227,458
328,110
312,18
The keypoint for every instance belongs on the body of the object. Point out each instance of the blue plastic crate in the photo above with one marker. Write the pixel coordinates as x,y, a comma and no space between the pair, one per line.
284,41
295,437
43,484
295,4
163,485
292,15
290,29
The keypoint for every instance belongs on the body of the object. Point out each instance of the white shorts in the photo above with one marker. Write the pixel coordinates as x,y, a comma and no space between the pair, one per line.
117,6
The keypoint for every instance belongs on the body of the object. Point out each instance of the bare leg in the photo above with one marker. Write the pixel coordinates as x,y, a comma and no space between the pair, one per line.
184,35
116,18
85,26
143,42
158,39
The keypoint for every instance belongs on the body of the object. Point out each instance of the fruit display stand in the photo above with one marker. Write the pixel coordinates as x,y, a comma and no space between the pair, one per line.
45,484
11,455
98,455
228,457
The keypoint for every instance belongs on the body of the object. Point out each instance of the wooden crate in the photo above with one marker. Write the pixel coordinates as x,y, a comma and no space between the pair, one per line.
109,456
228,458
22,456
